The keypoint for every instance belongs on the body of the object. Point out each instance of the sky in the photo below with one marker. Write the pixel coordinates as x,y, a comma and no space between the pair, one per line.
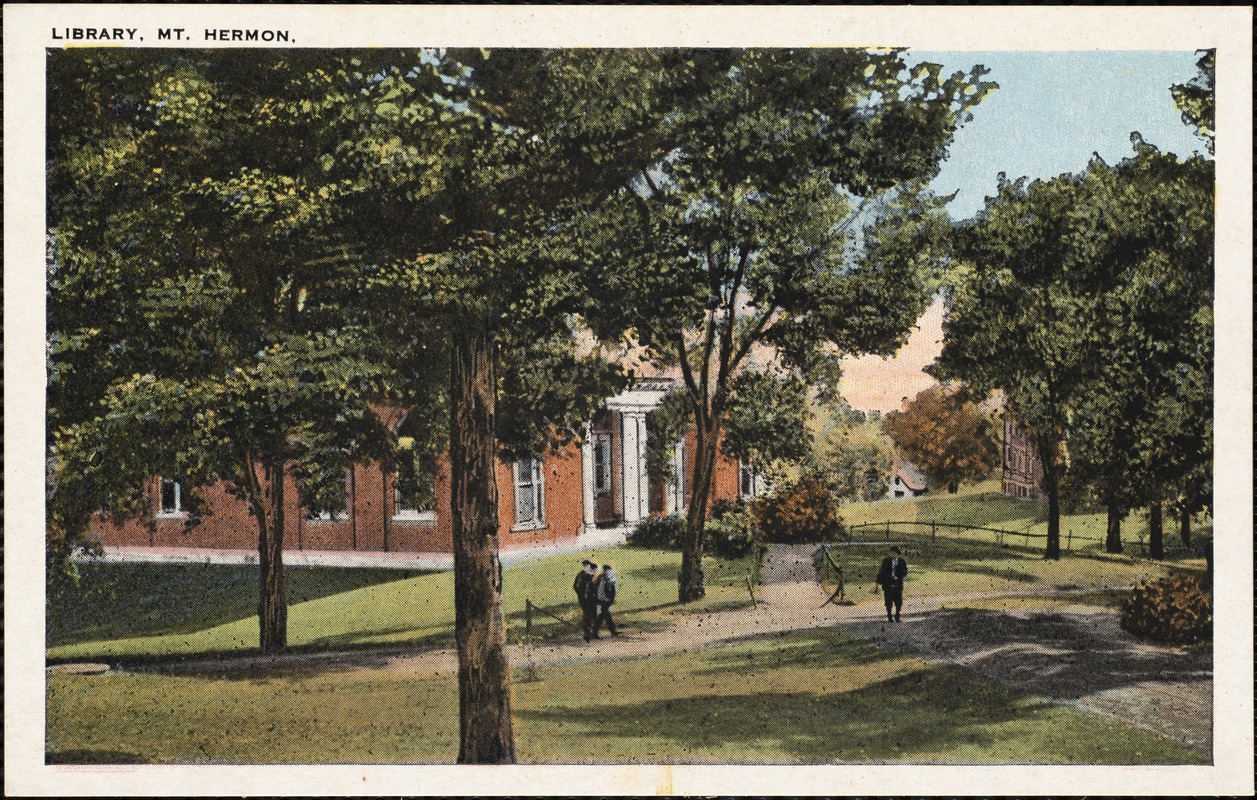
1052,111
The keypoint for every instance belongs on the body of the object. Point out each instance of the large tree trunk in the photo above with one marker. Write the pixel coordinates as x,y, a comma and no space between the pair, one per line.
1185,526
273,596
484,679
1156,530
1049,450
1113,532
690,583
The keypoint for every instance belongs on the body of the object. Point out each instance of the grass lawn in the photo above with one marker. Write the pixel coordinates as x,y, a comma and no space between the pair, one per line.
947,566
139,611
984,505
808,697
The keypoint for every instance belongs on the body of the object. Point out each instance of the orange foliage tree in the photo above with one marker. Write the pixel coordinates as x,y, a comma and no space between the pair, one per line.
944,433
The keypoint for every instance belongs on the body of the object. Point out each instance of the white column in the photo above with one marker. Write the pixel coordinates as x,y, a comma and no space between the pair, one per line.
676,492
633,465
643,476
587,477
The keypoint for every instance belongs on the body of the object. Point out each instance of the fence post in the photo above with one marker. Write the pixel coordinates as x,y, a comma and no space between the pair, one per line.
1069,540
528,616
933,531
886,535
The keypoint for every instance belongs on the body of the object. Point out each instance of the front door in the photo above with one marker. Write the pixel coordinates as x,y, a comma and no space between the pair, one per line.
606,507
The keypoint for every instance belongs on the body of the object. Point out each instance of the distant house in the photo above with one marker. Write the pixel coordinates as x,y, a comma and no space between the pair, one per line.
555,498
905,481
1023,472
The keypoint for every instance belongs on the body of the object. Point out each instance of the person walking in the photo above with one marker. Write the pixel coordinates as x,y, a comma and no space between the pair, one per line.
890,577
605,587
585,596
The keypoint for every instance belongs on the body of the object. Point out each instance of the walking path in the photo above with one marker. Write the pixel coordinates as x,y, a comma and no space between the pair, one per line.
1073,655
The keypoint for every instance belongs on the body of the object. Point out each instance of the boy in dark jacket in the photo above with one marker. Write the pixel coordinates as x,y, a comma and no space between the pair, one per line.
890,577
584,588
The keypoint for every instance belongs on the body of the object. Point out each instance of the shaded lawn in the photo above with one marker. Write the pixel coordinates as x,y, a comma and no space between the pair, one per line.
357,612
116,601
815,697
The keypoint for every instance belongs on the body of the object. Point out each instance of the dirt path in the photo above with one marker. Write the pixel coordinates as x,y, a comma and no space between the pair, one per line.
1074,655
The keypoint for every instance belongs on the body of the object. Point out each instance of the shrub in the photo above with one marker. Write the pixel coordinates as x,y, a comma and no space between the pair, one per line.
658,533
724,507
804,512
1174,610
731,535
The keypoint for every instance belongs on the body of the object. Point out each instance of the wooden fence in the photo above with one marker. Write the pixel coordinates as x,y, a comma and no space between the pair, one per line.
1000,536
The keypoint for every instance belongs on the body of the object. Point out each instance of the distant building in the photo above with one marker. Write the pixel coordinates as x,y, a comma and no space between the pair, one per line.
905,481
556,498
1023,472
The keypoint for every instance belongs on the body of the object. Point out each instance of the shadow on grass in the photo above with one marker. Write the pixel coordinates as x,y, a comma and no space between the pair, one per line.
1065,656
117,601
914,716
1005,573
296,661
818,650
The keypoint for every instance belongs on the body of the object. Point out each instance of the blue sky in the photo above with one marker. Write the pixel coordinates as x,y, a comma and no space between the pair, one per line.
1055,108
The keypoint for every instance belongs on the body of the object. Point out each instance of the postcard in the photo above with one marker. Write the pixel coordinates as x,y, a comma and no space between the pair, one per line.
602,400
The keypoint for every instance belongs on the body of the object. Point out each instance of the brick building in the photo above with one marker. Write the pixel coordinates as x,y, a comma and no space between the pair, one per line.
1023,472
557,498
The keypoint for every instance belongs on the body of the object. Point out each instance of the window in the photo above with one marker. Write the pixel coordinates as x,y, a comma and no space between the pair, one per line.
330,507
417,507
171,498
602,463
530,495
414,484
749,481
324,515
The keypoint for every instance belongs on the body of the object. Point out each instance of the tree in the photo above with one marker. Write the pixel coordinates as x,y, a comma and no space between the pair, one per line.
1195,99
1087,299
785,216
1142,433
417,219
853,453
470,192
202,324
766,421
1023,309
944,433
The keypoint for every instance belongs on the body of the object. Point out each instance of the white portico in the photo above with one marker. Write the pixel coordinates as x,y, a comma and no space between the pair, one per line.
616,487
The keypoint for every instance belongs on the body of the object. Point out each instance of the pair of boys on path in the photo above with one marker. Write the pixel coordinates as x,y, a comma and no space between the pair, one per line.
596,594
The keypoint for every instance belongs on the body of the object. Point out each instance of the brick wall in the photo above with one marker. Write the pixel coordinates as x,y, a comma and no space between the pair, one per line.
369,523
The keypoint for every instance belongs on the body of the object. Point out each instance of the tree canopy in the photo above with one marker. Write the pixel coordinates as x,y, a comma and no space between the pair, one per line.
1087,300
785,221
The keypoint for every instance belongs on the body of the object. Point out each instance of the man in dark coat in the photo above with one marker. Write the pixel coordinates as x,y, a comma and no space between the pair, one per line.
586,597
890,577
605,587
